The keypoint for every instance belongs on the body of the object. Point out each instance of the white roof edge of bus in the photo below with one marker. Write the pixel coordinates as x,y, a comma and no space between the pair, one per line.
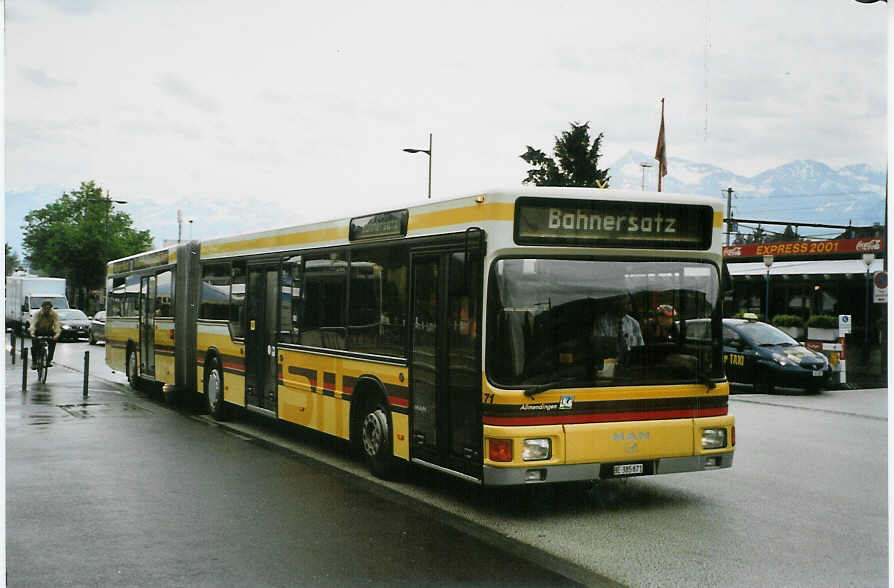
144,253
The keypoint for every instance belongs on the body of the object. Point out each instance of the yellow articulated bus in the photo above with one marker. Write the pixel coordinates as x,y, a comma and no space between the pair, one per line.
511,337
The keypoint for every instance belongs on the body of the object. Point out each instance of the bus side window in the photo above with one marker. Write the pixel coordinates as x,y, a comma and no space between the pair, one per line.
237,300
116,297
164,294
290,296
215,291
378,300
325,297
131,292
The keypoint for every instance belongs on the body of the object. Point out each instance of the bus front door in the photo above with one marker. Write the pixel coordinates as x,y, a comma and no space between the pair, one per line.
445,374
147,325
260,338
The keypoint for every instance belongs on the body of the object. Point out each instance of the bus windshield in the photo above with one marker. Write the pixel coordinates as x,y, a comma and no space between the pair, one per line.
577,322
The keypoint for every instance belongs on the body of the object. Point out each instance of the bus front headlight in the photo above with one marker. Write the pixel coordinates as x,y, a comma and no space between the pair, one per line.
536,449
713,438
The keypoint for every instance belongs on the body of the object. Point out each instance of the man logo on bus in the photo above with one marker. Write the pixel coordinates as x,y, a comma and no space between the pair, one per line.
630,436
583,221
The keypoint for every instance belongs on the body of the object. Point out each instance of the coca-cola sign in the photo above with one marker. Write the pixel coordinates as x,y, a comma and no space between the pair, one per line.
871,245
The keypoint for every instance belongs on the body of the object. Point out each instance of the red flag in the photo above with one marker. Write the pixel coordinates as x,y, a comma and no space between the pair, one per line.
661,150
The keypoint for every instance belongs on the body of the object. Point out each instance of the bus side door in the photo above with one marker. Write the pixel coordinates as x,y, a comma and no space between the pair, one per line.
147,325
445,374
261,367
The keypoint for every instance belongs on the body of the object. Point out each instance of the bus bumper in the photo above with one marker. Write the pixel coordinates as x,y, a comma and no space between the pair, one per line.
516,476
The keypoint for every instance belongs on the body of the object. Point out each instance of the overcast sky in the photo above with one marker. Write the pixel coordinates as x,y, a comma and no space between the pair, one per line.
283,112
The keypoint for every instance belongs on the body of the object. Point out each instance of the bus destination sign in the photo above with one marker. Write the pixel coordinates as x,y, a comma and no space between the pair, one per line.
379,225
612,223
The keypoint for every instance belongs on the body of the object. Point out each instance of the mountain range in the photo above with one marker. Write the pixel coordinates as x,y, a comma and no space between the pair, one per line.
799,191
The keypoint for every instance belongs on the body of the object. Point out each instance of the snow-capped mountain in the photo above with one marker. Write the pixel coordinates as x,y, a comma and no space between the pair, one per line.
798,191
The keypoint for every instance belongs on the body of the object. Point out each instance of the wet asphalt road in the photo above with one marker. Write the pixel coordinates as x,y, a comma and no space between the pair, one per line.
120,490
805,503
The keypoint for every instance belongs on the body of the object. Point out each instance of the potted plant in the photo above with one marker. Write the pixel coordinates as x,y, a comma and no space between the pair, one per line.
822,327
791,324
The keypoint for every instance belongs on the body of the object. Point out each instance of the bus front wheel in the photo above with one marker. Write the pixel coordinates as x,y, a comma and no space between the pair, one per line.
375,439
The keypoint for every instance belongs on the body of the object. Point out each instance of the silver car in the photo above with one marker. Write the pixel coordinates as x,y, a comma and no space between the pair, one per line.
74,324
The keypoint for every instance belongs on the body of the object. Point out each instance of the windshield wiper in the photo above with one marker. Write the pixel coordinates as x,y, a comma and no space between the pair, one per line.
534,390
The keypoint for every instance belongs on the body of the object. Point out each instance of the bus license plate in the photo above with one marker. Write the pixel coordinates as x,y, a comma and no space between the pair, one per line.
627,469
817,372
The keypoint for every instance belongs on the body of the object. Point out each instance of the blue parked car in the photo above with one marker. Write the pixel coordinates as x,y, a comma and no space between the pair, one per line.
761,355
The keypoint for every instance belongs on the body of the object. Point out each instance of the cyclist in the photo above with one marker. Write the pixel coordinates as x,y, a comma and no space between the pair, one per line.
46,324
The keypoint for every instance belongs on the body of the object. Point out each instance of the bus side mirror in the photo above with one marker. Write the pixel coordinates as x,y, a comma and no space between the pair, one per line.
25,307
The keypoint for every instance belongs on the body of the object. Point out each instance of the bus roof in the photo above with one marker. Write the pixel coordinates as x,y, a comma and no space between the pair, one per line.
424,218
434,216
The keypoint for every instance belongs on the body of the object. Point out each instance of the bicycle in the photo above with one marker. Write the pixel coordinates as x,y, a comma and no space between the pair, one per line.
39,350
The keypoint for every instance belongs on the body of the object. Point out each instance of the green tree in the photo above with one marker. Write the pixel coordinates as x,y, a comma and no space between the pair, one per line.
12,260
576,162
68,238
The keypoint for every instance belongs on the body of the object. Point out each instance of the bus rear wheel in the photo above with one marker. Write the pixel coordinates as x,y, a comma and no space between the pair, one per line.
132,369
214,390
375,439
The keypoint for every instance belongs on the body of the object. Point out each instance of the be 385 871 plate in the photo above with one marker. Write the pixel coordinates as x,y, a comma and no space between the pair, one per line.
627,469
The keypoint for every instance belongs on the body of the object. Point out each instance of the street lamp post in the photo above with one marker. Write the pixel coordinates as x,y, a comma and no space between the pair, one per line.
768,261
644,165
427,152
868,258
108,200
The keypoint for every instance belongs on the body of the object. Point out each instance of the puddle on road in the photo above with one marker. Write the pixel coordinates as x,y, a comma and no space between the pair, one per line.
47,414
88,410
38,396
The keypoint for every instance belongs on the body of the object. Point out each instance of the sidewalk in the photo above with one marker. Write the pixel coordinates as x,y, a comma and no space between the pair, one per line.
61,399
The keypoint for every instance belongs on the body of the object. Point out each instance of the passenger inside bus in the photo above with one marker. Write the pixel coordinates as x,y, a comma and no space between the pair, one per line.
614,330
661,326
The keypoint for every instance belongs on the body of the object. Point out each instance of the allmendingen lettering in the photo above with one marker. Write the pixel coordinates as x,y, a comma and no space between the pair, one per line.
583,221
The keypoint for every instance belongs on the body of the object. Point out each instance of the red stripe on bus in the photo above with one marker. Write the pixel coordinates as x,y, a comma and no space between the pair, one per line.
401,402
574,419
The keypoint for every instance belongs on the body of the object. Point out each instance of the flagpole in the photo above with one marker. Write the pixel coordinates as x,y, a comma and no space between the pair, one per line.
660,150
